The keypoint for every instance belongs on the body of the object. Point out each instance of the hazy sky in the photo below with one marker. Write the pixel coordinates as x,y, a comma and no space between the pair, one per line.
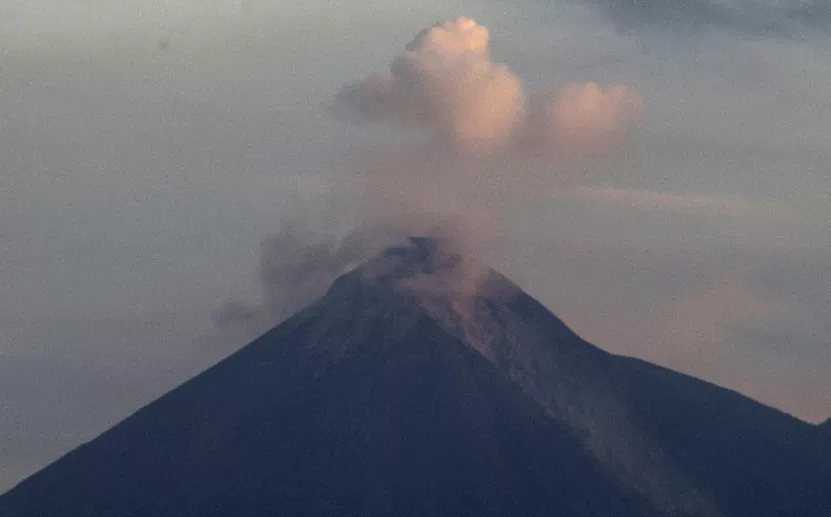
148,148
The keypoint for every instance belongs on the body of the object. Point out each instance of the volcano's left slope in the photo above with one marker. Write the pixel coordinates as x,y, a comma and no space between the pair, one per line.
360,405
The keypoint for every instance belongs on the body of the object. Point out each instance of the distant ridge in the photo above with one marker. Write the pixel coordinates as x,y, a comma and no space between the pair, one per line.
425,383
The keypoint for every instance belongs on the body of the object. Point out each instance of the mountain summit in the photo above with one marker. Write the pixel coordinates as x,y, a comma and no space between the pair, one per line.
425,383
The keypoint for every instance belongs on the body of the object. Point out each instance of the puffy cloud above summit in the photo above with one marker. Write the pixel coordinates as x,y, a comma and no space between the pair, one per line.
446,85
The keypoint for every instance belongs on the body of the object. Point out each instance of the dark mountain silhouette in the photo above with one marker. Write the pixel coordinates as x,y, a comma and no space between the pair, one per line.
424,383
825,431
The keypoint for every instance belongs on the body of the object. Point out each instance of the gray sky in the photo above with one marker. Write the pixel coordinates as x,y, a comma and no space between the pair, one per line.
147,149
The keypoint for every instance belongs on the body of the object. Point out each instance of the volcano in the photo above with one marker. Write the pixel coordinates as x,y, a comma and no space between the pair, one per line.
424,383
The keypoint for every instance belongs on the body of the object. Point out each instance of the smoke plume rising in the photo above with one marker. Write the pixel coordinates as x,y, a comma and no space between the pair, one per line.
472,142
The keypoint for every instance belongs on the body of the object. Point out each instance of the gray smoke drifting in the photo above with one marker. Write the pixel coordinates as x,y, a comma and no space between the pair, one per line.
297,265
300,262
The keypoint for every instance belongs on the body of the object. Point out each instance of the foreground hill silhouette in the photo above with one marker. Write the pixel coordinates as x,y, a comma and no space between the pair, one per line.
424,383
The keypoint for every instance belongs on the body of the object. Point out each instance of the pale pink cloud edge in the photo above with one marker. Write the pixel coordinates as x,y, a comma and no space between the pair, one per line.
446,85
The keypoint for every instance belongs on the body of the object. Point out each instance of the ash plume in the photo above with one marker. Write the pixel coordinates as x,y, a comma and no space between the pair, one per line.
473,143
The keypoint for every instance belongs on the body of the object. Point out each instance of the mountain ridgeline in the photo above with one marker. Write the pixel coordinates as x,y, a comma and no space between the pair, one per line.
424,383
